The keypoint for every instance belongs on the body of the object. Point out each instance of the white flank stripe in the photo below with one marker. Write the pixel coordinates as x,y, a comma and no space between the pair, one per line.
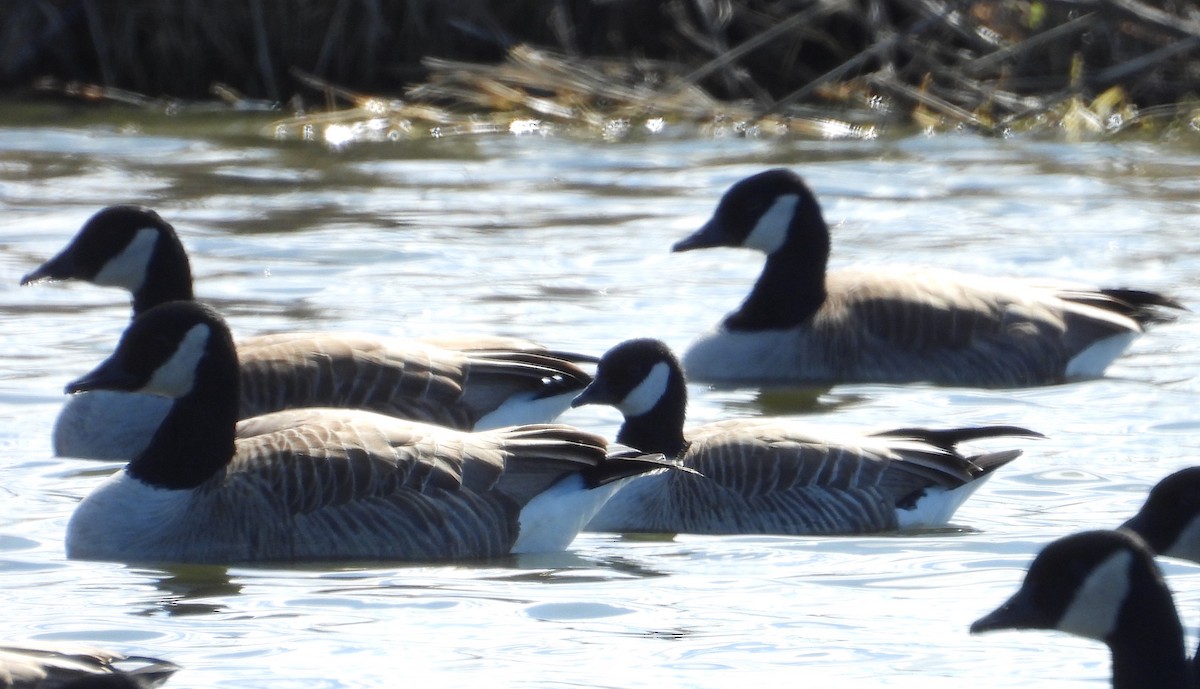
523,409
1092,361
551,520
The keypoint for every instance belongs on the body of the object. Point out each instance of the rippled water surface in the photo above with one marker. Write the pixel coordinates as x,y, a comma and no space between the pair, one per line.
567,242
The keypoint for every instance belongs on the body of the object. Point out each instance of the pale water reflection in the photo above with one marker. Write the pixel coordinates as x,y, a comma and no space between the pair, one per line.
567,242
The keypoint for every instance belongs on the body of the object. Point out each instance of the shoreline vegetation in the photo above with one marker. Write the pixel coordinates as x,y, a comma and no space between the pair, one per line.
353,70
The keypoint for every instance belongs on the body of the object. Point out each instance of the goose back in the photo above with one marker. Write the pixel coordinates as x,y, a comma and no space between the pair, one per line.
769,476
407,379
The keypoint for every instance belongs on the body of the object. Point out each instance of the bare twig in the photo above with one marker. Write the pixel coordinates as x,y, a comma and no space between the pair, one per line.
1056,33
853,63
929,100
1131,68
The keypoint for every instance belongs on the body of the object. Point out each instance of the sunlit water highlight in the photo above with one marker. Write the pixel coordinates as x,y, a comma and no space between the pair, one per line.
567,242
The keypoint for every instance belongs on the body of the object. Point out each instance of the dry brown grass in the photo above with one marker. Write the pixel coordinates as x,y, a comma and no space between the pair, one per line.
823,66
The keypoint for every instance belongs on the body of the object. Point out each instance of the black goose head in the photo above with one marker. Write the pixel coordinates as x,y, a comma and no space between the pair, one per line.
766,211
633,376
1169,521
1082,584
184,351
644,381
130,247
166,351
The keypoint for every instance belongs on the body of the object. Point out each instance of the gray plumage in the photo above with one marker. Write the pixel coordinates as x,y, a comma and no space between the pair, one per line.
410,379
767,476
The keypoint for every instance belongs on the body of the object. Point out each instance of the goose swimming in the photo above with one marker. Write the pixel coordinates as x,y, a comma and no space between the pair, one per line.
322,483
774,475
464,383
805,323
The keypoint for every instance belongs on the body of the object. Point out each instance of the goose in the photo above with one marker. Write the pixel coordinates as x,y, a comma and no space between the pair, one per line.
1169,523
1169,520
321,484
803,323
69,666
469,384
772,475
1103,585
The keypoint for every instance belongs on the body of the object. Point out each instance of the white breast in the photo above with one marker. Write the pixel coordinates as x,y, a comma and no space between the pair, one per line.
105,424
763,355
124,518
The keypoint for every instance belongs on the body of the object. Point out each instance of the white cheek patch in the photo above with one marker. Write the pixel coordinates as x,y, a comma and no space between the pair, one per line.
771,231
176,377
1187,546
648,392
128,268
1097,603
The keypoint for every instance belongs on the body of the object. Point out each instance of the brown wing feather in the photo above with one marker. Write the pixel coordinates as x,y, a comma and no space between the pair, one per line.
283,372
412,380
931,325
329,483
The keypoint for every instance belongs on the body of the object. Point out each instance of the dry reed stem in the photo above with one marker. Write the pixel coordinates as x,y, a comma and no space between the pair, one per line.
990,65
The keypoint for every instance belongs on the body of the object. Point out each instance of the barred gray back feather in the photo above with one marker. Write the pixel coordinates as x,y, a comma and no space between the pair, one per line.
766,476
416,381
936,325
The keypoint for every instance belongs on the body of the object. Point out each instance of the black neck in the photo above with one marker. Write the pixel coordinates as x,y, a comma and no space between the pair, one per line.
792,285
168,276
1147,649
196,439
661,428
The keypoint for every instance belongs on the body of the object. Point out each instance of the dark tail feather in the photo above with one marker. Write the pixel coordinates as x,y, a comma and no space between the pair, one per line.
1143,306
948,438
988,462
560,373
624,461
